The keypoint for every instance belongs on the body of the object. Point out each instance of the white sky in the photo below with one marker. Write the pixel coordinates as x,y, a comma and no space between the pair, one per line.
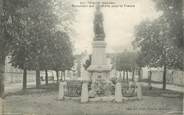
119,24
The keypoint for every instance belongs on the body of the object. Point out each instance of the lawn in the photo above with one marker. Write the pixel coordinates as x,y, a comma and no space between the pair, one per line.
44,102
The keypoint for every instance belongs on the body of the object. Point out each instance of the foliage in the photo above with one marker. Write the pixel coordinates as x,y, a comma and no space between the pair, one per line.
10,23
156,48
172,12
126,61
10,29
42,45
29,33
101,87
157,39
61,56
66,14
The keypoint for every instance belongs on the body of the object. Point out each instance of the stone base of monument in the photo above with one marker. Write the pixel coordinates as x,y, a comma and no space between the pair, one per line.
102,99
112,99
118,97
73,98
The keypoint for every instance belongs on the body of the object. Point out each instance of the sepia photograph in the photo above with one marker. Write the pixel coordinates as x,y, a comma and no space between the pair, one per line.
91,57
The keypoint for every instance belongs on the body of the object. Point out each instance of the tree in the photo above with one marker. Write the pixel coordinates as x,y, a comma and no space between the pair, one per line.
27,27
66,13
173,13
46,77
78,62
45,47
39,21
10,23
156,46
140,63
20,59
60,51
126,61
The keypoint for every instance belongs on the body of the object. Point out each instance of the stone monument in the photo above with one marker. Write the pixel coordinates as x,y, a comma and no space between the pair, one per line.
99,68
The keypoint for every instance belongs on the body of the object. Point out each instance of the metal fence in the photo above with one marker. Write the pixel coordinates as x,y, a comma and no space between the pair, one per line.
73,88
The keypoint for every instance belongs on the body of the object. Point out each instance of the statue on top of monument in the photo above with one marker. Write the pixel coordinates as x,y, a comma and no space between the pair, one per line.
98,25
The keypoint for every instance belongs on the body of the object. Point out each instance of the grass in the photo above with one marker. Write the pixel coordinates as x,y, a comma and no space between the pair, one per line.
44,101
155,92
52,87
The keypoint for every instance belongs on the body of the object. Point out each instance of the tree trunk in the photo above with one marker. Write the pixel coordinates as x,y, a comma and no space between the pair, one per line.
2,56
123,74
127,76
46,77
133,75
24,79
38,77
120,75
149,80
2,73
139,74
164,77
57,75
64,77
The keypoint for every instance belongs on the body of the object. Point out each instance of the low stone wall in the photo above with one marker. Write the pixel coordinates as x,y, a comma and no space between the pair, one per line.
177,78
157,76
172,77
17,77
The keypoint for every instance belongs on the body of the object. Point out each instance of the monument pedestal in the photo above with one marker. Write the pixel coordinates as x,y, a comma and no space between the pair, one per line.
99,68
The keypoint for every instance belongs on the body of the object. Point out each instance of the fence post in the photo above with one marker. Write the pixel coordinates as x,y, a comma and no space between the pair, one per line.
61,90
118,93
139,91
84,94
